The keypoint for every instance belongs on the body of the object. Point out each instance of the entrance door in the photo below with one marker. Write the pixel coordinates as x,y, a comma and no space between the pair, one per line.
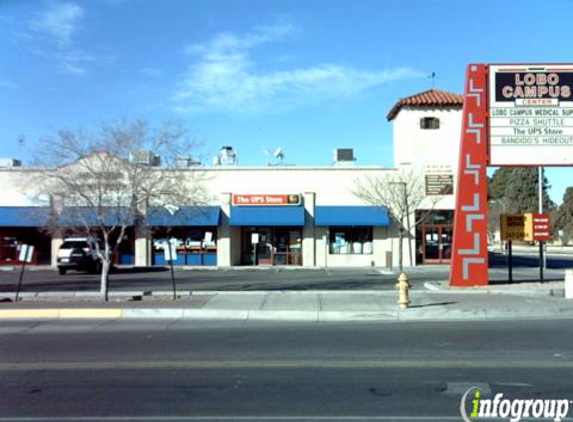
276,246
437,244
264,254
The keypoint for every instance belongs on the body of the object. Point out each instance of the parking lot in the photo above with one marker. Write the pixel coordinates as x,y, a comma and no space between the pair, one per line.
268,278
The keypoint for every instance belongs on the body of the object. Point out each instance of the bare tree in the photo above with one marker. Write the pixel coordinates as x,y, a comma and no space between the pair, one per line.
102,183
402,192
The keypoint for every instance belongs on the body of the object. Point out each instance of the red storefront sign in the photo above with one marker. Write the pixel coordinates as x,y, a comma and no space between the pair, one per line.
541,228
266,199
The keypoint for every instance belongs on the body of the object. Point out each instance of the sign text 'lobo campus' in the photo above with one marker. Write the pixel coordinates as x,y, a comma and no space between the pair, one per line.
531,114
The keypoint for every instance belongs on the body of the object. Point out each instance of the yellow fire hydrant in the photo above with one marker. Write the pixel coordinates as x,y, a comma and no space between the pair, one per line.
403,287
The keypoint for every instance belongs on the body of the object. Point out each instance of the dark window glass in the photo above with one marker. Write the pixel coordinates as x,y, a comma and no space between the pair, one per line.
429,123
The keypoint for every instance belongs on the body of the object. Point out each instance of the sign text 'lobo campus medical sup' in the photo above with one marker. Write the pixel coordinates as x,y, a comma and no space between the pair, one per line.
531,114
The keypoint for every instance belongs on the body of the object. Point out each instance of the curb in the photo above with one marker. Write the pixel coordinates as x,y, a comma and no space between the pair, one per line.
185,293
435,287
288,316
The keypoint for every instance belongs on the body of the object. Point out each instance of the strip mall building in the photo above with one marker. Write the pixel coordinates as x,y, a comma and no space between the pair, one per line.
299,216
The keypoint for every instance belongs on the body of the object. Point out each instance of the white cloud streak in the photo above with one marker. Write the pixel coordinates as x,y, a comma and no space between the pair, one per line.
56,29
61,21
225,77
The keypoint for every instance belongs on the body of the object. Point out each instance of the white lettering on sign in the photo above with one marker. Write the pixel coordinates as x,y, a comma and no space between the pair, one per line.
531,114
271,199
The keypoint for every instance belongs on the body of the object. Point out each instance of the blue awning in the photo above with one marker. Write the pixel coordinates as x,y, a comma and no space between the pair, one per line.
88,216
351,216
24,216
267,216
184,216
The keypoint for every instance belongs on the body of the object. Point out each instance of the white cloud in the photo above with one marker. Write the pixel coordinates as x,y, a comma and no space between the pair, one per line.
61,21
68,61
225,77
54,31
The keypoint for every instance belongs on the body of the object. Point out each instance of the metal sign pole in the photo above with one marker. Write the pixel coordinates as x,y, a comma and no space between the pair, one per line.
510,260
169,245
25,256
20,280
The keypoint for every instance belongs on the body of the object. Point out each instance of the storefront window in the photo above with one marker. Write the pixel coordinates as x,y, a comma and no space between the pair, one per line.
351,240
12,238
194,245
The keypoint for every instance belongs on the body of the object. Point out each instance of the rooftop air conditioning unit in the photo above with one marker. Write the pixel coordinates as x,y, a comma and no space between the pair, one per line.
186,161
228,157
144,157
344,157
9,163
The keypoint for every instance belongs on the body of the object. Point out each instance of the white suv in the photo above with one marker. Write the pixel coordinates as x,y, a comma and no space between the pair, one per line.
79,253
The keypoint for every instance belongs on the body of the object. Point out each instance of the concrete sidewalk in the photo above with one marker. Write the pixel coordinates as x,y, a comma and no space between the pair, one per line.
321,306
527,288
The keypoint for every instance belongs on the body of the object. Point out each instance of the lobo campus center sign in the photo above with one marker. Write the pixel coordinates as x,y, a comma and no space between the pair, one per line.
514,115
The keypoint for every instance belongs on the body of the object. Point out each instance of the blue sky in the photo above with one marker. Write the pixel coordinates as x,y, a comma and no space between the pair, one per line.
308,76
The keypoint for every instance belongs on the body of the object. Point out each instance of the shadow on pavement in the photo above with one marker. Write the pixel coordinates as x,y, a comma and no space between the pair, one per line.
433,304
519,282
497,260
139,270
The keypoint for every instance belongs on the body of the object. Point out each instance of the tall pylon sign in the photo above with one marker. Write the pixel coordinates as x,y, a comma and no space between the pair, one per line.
513,115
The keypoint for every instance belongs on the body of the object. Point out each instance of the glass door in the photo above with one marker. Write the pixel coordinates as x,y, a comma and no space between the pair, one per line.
446,237
437,244
276,246
431,244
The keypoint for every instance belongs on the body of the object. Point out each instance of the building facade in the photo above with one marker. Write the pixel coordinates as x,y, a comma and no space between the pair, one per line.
426,139
281,215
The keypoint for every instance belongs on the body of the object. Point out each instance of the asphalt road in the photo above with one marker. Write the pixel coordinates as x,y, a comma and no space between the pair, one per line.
159,278
260,371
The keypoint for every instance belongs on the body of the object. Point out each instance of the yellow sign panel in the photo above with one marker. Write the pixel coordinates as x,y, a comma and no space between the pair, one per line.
517,227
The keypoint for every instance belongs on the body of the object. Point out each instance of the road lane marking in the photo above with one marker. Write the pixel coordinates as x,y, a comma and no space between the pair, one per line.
29,313
79,313
285,364
240,418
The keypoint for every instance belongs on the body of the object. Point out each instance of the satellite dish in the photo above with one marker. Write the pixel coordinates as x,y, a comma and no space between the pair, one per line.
279,153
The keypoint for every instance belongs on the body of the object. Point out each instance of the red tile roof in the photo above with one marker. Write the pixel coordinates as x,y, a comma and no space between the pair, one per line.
430,98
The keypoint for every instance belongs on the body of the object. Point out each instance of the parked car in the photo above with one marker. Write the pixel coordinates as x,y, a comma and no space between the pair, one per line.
79,253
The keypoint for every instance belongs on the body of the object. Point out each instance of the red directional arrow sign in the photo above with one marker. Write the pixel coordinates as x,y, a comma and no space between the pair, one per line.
541,228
